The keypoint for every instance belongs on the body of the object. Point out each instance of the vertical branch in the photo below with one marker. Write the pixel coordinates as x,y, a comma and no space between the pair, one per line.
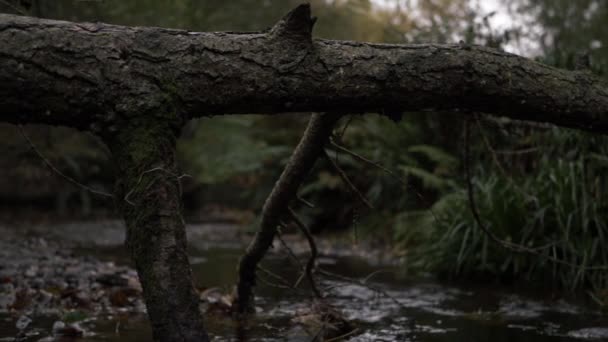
301,162
156,235
310,265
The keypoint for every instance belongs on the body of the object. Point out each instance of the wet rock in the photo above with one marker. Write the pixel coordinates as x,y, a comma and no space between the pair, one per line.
23,322
31,271
60,329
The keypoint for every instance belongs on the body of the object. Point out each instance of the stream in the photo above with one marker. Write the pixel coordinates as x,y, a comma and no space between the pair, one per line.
389,306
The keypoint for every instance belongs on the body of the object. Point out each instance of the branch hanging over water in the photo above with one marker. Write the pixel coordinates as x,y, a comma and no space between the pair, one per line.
93,76
309,149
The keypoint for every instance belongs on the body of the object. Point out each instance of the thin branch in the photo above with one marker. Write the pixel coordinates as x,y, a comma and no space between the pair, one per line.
310,265
497,162
373,274
271,284
275,276
159,168
381,167
13,7
305,202
318,333
346,125
506,244
518,152
506,123
361,283
275,285
290,252
283,283
348,334
347,181
61,174
367,161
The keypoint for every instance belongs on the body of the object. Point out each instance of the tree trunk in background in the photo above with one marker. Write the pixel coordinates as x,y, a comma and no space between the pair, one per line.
148,194
285,189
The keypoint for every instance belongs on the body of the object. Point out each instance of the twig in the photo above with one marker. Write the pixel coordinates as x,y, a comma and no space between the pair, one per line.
518,152
310,265
362,284
365,160
348,182
15,8
284,283
159,168
379,166
502,122
318,333
275,276
55,170
305,202
271,284
348,334
346,125
496,161
290,252
373,274
506,244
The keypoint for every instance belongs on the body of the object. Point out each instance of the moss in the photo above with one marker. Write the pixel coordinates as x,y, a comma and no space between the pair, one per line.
143,142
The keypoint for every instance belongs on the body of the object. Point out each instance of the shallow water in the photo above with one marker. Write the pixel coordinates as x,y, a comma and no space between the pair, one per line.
398,308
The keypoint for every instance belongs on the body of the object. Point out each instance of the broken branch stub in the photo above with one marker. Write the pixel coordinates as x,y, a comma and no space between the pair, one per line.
296,25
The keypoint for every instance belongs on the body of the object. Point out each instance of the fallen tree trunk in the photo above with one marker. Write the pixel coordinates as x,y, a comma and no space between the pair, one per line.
135,87
95,76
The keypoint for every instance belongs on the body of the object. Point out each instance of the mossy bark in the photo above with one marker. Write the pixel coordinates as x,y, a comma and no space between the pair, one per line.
301,162
148,194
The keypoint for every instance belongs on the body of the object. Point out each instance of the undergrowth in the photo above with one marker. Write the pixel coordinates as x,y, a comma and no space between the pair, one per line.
556,206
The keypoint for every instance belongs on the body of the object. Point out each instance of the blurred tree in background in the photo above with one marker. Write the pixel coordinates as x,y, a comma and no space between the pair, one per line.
538,186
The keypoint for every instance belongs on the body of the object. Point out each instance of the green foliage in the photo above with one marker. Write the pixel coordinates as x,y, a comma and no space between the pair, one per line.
412,150
224,147
559,210
569,28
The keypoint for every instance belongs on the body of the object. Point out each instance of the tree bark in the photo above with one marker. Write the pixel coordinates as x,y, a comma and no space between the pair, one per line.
148,194
285,189
94,76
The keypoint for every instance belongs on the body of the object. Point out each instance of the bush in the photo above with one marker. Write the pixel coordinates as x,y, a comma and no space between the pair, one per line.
560,210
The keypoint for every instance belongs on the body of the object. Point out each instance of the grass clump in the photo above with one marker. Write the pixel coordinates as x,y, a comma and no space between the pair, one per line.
557,206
